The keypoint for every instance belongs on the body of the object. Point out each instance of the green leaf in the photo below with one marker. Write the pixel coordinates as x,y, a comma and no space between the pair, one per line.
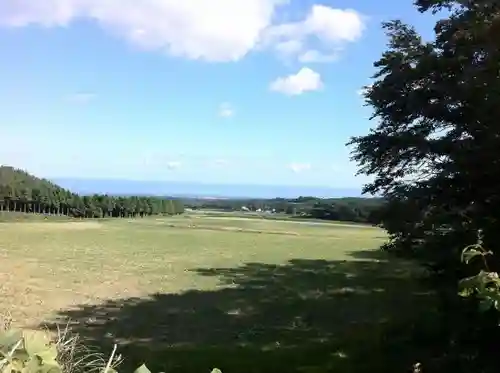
216,370
466,292
21,355
142,369
468,285
35,341
496,300
17,365
469,253
31,366
9,338
483,281
49,354
49,368
7,369
485,304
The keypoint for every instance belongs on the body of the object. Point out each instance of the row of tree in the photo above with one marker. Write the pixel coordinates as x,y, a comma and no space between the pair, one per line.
361,210
20,191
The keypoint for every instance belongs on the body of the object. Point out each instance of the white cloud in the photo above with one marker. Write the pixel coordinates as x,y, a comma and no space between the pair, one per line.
329,28
289,47
305,80
314,55
81,98
299,167
174,165
226,110
216,30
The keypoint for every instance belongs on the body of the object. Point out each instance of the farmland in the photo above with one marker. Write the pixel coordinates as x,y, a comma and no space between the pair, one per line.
191,292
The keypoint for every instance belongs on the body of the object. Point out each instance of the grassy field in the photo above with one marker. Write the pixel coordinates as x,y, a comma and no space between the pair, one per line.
193,292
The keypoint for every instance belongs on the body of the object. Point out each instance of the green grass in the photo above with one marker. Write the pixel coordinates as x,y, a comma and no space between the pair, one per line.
190,293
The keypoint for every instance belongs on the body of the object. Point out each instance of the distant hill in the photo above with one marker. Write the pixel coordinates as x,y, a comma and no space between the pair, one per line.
19,180
23,192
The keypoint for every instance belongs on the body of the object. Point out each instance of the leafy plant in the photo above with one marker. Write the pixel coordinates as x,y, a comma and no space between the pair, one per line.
32,351
27,352
486,284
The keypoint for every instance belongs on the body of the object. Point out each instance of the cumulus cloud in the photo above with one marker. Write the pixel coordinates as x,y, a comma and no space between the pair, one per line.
329,29
306,80
316,56
216,30
299,167
226,110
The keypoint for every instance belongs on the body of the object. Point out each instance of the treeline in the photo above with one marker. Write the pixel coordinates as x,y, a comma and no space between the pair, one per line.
360,210
22,192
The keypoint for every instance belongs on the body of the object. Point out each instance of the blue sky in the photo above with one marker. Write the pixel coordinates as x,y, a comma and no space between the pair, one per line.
220,91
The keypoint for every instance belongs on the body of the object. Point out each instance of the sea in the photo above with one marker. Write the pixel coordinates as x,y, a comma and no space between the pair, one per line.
200,190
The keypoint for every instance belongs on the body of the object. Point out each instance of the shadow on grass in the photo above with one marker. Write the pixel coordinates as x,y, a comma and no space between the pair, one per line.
303,316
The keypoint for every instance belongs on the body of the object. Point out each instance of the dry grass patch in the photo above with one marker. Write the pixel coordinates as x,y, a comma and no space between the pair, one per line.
230,229
31,290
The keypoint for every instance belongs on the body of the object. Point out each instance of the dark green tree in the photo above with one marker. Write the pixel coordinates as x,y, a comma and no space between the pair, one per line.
22,192
434,156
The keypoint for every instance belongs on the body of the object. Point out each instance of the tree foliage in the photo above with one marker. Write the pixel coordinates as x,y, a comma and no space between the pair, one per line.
434,154
437,105
20,191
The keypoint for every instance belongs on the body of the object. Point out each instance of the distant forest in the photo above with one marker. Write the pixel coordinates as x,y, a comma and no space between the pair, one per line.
23,192
360,210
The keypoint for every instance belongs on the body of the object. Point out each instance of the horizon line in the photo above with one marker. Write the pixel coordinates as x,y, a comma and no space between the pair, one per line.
79,178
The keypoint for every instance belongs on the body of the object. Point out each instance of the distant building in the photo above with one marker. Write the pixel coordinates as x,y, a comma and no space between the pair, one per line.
244,208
